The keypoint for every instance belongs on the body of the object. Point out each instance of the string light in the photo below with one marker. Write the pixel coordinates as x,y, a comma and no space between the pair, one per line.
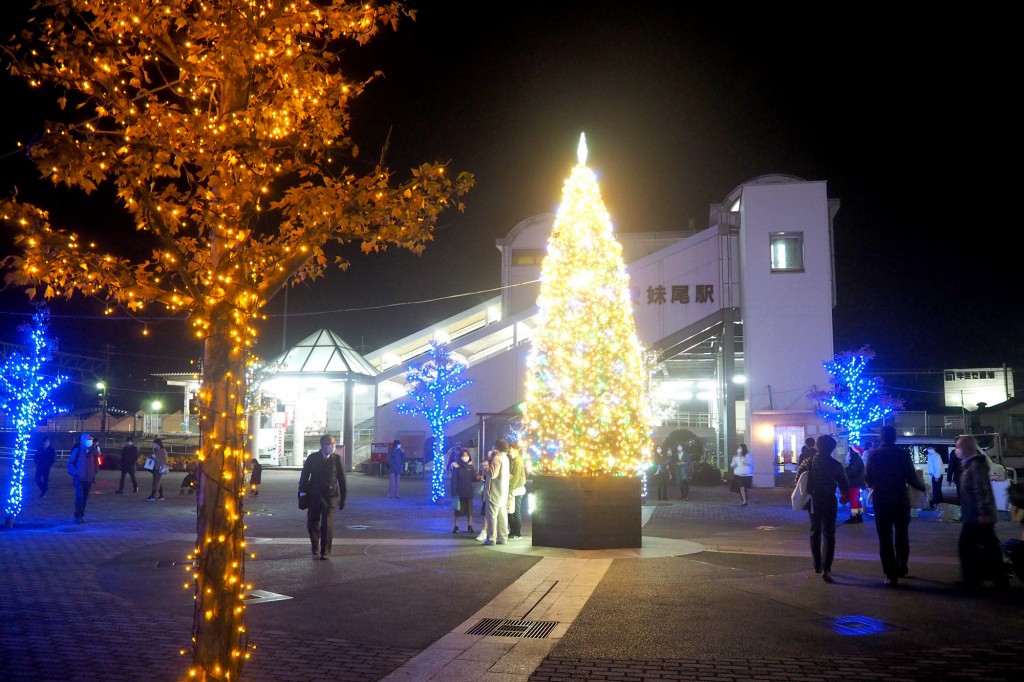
25,395
856,400
586,407
429,384
220,152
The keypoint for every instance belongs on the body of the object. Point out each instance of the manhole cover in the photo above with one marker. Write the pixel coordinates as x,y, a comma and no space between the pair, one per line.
498,627
262,514
357,527
171,564
860,625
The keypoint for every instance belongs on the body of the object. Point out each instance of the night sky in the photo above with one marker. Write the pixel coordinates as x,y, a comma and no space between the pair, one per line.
904,117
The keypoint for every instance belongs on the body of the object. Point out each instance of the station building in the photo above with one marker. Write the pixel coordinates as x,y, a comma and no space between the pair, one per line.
736,317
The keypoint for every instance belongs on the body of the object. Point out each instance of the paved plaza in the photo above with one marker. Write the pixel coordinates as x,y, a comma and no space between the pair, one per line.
717,592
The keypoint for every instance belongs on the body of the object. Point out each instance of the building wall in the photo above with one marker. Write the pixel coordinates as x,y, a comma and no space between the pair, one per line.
787,316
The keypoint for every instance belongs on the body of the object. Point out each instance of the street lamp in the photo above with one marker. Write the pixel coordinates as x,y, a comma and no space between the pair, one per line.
102,386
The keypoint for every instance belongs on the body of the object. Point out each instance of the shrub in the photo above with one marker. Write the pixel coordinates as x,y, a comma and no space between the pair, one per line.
706,474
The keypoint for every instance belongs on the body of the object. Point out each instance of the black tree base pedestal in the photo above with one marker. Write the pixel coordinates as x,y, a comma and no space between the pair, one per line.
586,512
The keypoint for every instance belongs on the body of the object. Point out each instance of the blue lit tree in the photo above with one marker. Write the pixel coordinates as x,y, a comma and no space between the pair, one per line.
25,397
856,399
430,383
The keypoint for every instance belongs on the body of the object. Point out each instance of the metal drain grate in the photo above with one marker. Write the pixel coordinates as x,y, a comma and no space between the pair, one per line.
498,627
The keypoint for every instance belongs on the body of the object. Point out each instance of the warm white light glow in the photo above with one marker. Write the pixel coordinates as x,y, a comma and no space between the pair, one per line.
581,150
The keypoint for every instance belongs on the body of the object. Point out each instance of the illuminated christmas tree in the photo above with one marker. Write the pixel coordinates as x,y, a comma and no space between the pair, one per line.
430,384
585,410
25,396
856,399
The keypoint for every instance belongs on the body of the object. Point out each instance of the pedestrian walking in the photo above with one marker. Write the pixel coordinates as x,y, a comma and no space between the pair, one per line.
824,476
981,554
742,473
953,470
45,457
888,472
322,481
83,462
683,470
936,470
663,473
129,461
855,477
807,451
396,463
255,476
463,483
160,467
517,489
498,479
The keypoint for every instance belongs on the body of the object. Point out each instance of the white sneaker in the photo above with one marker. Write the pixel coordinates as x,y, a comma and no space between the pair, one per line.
481,537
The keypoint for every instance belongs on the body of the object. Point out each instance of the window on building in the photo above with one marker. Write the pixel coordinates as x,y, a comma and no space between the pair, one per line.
787,251
528,256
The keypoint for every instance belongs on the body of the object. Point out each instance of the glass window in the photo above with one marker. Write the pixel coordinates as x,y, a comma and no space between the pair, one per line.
528,256
787,251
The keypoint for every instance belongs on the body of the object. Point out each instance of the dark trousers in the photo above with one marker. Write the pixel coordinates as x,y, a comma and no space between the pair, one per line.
684,489
515,517
81,496
43,479
128,472
320,524
662,485
823,532
937,498
981,555
892,523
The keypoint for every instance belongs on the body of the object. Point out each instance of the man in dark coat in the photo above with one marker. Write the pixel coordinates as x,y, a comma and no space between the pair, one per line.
825,474
129,461
323,481
45,457
888,472
82,465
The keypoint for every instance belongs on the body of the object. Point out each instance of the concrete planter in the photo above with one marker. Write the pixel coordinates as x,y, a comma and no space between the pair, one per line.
586,512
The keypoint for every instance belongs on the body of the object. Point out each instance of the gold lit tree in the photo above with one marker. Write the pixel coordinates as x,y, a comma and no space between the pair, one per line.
585,411
223,128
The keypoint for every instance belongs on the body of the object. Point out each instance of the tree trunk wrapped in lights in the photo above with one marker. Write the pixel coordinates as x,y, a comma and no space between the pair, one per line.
586,408
223,128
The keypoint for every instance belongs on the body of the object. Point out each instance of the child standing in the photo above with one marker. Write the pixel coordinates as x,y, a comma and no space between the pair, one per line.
255,477
464,478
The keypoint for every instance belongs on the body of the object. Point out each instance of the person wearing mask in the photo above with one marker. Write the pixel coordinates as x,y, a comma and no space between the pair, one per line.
498,479
45,457
888,472
517,489
463,483
83,461
824,475
323,481
855,477
684,464
742,472
936,469
396,464
981,554
160,459
129,461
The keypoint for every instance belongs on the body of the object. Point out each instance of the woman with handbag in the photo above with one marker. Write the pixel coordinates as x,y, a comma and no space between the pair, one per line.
159,459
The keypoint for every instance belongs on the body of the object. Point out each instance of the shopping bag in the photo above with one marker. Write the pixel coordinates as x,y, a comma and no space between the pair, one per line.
150,464
800,499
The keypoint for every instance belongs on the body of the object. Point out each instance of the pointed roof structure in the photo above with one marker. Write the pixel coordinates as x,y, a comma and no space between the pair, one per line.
324,353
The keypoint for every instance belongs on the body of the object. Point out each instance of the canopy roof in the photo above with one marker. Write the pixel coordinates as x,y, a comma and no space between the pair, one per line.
324,352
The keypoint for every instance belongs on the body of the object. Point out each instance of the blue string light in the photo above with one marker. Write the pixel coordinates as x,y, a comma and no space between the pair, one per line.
856,400
25,397
429,385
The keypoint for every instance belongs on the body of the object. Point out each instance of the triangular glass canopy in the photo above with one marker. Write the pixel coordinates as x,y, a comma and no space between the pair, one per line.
323,352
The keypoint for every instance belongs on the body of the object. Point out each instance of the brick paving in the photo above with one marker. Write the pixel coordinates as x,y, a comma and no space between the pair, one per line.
66,613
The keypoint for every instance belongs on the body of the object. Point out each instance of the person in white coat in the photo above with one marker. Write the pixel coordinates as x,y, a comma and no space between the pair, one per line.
742,472
498,473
